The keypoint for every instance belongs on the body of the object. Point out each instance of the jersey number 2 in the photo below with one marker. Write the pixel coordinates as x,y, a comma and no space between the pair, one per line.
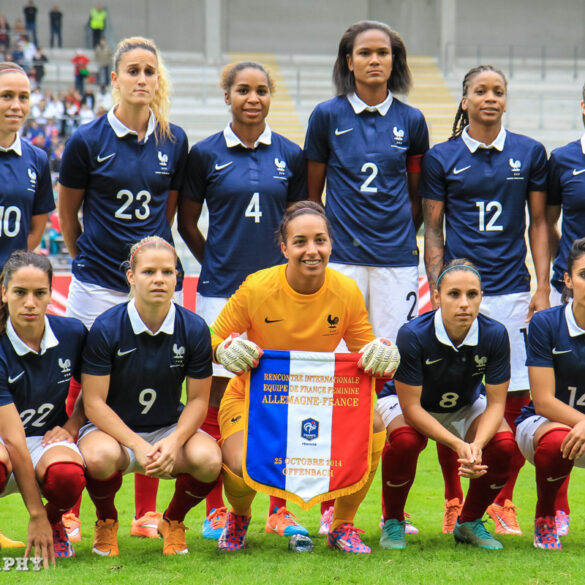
253,209
371,168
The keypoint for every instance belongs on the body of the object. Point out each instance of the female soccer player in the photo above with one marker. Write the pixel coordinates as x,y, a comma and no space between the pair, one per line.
38,355
126,169
26,194
445,354
136,358
480,181
368,145
550,430
302,293
248,175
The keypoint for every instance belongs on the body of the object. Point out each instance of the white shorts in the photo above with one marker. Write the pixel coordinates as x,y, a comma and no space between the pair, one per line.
511,310
457,422
36,451
87,301
150,437
388,408
391,294
208,308
525,432
555,297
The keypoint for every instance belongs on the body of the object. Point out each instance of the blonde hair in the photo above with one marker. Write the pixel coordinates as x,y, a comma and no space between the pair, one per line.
161,102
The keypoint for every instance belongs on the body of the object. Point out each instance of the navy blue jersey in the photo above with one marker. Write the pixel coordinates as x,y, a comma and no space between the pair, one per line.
126,186
556,341
147,371
566,187
38,383
247,191
25,190
485,195
451,378
367,190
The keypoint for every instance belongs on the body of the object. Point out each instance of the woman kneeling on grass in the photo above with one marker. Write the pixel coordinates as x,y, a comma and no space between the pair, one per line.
136,358
303,293
445,354
551,429
38,355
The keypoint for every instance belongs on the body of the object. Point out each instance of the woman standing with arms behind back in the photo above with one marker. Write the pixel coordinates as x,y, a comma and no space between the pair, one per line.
126,169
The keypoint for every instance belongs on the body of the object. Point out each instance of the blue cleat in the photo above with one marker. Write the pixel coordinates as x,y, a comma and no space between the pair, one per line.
393,533
214,524
475,533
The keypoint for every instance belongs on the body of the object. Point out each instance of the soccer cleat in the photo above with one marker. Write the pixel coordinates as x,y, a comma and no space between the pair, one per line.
72,526
409,527
326,519
61,544
346,538
475,533
105,541
545,533
146,526
453,508
283,522
6,542
214,523
233,536
505,518
173,533
393,534
562,522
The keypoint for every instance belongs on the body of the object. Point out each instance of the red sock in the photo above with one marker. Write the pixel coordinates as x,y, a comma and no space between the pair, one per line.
562,501
450,470
102,492
211,426
514,403
62,487
482,490
550,465
399,460
77,508
326,505
3,476
74,390
188,493
275,503
145,490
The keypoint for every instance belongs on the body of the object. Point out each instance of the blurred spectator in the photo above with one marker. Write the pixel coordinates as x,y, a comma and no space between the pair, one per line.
81,63
103,58
18,30
38,62
56,24
97,23
88,98
29,49
56,156
35,97
30,20
4,34
18,55
104,99
86,114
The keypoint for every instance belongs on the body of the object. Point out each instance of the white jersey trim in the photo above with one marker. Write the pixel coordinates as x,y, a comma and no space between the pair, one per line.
138,325
21,348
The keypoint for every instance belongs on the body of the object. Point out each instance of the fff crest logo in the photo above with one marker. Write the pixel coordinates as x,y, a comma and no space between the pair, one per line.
310,429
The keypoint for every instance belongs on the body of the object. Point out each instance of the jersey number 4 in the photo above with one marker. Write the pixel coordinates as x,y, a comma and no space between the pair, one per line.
253,209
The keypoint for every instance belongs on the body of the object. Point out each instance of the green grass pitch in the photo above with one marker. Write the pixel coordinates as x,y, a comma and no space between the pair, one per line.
431,558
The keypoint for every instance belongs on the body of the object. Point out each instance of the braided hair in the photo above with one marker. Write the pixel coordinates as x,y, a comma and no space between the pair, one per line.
461,117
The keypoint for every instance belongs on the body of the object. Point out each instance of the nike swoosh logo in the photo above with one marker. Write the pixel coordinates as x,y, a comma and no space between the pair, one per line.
551,479
11,380
397,485
493,486
220,167
101,159
576,172
120,353
457,171
267,320
429,362
559,351
339,132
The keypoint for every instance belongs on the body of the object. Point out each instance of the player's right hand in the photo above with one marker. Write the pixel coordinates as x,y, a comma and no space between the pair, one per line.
238,355
40,540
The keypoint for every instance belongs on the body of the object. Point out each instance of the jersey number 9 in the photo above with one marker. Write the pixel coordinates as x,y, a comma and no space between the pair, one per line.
147,398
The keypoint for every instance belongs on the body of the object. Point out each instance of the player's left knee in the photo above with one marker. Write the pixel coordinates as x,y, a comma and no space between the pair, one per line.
63,483
502,445
206,464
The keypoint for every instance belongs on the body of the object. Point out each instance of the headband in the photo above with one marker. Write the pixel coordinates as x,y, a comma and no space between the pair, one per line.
459,267
10,69
161,241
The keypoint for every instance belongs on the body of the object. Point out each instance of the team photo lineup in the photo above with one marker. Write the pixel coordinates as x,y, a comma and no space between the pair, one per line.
310,253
